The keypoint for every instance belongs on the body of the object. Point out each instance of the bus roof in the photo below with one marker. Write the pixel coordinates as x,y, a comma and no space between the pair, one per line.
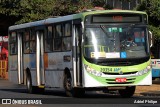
68,17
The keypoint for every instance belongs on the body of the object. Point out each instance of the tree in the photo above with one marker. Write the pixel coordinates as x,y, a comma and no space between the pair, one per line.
152,7
101,3
66,7
32,10
27,10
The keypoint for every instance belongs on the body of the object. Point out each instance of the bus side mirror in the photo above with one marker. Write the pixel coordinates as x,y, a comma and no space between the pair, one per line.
151,39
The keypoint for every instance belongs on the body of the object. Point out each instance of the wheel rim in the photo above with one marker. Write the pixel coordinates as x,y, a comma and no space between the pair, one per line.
68,84
28,84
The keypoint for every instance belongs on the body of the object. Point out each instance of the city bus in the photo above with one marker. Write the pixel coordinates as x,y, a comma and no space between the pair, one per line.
106,50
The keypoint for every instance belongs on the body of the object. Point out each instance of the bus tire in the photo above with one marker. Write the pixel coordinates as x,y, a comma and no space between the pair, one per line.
128,92
31,89
69,90
29,84
68,85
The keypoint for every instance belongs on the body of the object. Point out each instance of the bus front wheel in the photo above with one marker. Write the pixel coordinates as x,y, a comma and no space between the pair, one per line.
128,92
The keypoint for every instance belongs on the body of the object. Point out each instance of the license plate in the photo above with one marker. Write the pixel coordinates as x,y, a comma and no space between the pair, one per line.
121,79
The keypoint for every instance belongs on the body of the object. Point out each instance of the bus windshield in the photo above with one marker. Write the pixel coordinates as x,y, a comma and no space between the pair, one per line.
101,42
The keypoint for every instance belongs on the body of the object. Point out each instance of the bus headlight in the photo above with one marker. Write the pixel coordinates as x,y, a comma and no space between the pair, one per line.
144,71
92,71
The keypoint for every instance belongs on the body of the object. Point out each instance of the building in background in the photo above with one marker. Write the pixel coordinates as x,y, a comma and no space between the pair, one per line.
123,4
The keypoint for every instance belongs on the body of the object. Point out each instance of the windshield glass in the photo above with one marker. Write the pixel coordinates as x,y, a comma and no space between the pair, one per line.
115,42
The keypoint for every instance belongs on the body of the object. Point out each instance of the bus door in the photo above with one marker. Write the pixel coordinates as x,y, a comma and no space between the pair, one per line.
20,59
77,59
39,57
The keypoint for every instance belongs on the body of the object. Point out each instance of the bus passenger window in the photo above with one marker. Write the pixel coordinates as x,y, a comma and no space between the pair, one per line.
26,42
67,29
33,35
13,37
26,47
57,44
66,43
13,43
49,40
58,30
26,36
13,49
58,38
48,45
32,41
32,46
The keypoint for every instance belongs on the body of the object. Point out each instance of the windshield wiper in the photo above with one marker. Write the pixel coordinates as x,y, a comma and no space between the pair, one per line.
103,28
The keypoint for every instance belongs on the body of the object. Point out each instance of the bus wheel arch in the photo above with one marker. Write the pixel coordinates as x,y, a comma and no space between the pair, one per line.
27,72
67,72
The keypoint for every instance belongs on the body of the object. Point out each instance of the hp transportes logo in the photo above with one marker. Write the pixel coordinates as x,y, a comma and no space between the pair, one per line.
20,101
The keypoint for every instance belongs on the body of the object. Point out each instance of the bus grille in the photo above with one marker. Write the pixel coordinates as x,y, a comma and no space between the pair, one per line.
112,81
124,73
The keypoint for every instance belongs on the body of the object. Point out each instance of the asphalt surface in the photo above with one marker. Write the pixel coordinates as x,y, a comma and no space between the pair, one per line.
153,90
10,90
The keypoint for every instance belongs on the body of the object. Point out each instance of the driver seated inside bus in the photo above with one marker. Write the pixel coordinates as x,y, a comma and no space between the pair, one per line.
126,43
130,42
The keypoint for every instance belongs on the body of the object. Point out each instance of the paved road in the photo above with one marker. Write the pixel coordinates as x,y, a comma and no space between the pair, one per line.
58,98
